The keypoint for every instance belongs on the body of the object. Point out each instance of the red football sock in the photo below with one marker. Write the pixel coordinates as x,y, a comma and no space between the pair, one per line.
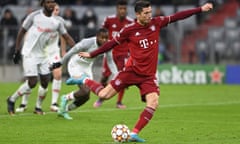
144,118
93,85
120,96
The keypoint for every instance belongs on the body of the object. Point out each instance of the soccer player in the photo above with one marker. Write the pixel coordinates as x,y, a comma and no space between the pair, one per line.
42,29
142,37
55,57
120,53
53,51
78,66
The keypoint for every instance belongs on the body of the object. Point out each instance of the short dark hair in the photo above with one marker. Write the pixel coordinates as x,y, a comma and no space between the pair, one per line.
122,2
8,11
41,2
102,30
139,5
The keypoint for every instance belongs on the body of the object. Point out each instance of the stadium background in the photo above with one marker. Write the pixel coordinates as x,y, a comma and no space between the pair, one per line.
194,113
209,41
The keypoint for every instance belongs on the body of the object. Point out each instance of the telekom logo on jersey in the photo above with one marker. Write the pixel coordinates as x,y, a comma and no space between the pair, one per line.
144,43
44,29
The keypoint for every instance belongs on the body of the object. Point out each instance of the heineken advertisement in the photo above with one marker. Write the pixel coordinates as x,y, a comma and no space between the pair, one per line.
191,74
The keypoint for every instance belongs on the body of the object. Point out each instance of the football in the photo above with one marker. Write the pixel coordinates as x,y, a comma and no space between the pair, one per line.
120,133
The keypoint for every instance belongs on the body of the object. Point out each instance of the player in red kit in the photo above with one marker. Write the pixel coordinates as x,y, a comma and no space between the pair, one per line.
142,37
120,53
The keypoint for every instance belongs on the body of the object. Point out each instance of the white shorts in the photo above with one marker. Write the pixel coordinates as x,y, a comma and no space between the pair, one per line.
33,66
77,67
54,56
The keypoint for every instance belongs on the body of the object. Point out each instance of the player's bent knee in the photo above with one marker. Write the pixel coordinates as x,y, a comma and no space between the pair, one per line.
152,101
32,83
81,100
107,92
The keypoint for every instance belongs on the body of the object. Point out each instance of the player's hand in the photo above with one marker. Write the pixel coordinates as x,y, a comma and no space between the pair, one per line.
207,7
55,65
84,54
16,57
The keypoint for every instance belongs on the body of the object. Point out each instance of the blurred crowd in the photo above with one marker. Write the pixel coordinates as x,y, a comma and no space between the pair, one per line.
9,25
106,2
85,26
89,23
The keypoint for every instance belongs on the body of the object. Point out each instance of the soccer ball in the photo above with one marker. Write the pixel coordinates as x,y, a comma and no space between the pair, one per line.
120,133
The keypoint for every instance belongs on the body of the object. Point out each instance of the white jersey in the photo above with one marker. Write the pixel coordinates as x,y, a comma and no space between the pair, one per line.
41,31
78,65
53,44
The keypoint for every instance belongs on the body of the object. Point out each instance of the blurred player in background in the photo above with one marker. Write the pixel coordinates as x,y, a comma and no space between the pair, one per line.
78,66
55,54
120,53
143,40
42,29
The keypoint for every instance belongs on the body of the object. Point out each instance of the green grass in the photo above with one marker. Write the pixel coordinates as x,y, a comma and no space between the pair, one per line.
188,114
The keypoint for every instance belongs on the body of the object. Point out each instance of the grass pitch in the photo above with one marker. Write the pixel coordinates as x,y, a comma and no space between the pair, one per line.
188,114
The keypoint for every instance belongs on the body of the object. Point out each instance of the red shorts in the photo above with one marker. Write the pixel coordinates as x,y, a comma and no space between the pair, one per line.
127,77
106,72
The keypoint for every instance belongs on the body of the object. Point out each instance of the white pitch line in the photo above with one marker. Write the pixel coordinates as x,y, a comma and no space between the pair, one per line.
132,108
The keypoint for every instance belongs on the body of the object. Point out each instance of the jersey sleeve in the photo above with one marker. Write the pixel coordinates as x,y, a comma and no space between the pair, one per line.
163,20
104,48
184,14
105,23
28,21
83,45
71,52
62,29
122,35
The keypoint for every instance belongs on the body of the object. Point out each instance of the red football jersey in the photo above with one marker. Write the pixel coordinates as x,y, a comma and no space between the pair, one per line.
143,42
114,25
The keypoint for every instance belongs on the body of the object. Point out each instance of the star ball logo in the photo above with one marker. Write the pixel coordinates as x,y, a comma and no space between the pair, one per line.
216,76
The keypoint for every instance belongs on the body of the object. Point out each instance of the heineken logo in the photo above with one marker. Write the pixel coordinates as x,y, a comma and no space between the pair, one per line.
190,75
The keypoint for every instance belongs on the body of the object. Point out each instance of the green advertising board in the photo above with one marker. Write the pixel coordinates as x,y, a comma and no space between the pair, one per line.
191,74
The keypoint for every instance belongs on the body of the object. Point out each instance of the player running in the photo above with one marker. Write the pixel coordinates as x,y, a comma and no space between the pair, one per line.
42,28
54,53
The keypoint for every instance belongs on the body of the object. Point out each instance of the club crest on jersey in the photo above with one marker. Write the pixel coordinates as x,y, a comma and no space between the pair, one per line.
118,82
153,28
114,26
137,34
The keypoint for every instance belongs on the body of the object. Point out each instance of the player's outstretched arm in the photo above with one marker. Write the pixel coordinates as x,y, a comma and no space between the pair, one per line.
17,53
187,13
69,39
104,48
